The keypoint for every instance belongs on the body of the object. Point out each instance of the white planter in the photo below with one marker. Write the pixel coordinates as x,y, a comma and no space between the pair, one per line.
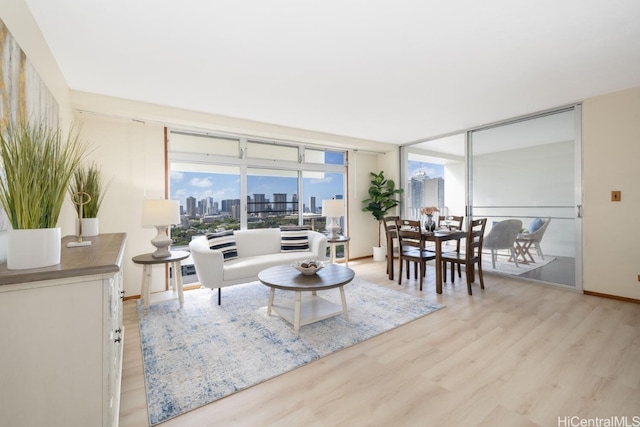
89,227
379,253
34,248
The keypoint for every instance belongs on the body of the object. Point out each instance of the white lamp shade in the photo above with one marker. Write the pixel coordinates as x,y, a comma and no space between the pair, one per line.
160,212
333,208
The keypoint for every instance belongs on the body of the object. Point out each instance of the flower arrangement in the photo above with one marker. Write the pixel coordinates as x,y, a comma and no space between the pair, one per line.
429,210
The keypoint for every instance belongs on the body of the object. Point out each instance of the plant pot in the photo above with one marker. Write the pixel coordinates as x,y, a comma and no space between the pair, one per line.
89,227
379,253
34,248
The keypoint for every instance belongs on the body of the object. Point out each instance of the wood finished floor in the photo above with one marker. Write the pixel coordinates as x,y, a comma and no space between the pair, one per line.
515,354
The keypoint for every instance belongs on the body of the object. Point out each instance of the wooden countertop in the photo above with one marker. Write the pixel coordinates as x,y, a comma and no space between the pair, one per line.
104,255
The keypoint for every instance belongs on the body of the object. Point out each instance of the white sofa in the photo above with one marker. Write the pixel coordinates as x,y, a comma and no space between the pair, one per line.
257,249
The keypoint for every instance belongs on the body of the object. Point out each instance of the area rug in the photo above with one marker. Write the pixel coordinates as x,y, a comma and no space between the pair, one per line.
504,266
202,352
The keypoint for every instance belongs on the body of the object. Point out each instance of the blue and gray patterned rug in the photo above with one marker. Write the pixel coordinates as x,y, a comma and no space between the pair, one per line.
203,352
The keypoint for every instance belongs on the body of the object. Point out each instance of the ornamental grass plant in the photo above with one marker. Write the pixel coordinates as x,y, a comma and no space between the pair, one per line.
88,180
37,165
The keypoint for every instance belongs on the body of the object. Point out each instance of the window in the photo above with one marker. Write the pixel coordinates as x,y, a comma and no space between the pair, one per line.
228,182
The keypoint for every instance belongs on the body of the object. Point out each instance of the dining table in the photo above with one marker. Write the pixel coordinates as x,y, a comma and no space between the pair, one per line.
438,237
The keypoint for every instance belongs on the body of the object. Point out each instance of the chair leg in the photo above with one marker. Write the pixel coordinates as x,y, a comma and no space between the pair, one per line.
400,272
469,273
539,250
423,267
459,271
480,276
444,271
390,267
513,255
453,276
493,258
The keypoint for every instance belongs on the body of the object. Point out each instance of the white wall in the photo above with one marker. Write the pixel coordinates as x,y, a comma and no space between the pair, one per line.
611,153
363,228
131,156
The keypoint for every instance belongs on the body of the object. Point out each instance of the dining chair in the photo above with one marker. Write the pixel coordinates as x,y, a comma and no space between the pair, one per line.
503,235
391,234
472,254
412,249
454,223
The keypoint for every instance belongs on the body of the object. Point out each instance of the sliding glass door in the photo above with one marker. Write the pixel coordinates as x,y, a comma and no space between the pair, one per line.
525,170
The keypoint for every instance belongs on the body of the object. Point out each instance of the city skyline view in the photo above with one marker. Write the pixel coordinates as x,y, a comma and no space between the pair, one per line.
224,186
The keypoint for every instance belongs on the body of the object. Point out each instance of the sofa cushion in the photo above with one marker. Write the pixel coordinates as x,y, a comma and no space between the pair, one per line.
248,268
294,238
224,242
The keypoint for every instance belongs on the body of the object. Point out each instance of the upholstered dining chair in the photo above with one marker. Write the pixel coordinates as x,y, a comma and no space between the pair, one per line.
503,235
412,249
391,234
472,255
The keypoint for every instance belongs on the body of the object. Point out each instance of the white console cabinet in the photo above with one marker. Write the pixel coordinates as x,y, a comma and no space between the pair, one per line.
61,338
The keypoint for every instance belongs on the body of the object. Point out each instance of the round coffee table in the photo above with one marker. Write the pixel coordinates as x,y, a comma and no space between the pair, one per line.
311,308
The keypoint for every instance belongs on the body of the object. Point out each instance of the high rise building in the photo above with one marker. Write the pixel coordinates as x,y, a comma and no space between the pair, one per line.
312,204
425,191
280,202
259,204
191,207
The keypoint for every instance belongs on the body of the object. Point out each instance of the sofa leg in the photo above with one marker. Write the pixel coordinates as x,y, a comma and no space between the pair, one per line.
219,296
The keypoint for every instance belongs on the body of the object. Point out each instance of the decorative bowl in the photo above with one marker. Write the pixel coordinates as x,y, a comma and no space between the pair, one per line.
309,267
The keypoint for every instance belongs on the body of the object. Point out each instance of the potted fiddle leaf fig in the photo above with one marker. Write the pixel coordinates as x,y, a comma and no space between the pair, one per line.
37,164
382,198
87,190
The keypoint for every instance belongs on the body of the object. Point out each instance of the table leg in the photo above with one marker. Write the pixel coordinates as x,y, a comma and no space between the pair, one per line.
296,312
346,254
272,292
345,312
177,281
146,282
438,265
333,253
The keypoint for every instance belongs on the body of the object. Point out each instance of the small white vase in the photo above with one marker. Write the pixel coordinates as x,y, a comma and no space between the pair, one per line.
33,248
89,227
379,253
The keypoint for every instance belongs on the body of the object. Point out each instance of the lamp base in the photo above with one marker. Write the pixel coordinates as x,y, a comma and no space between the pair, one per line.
161,242
333,228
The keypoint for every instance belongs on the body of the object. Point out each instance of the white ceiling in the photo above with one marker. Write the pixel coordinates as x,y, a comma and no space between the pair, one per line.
386,70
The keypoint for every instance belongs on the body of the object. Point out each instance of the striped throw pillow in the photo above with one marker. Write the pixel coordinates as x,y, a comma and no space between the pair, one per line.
294,238
225,242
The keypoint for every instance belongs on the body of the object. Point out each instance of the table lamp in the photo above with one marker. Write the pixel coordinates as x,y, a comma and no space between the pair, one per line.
332,210
160,214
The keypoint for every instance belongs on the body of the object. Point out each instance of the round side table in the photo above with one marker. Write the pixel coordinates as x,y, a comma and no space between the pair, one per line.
147,261
339,240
